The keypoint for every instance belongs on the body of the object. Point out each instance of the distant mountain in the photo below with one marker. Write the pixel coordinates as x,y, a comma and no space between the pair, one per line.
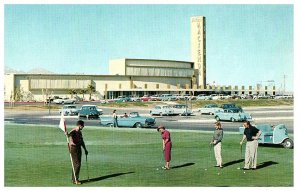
39,71
8,70
32,71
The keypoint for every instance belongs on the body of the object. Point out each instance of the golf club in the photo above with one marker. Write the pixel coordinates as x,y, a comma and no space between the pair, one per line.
162,161
87,167
241,156
209,157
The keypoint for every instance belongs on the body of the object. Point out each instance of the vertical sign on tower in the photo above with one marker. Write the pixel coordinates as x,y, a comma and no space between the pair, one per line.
198,48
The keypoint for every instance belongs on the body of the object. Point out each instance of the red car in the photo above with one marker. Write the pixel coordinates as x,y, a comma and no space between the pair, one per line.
145,98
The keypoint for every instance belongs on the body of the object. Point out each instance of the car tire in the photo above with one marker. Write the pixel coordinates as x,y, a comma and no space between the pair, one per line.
288,144
138,125
217,118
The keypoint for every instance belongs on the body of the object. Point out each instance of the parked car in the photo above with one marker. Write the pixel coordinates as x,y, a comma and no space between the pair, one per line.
273,135
121,99
162,110
155,98
145,98
181,109
233,114
134,120
52,98
68,110
203,97
134,98
88,112
64,101
210,109
167,97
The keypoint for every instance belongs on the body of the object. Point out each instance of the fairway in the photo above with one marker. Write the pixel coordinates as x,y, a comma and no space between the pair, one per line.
38,156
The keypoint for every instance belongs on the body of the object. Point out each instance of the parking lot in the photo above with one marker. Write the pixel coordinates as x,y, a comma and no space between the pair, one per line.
271,115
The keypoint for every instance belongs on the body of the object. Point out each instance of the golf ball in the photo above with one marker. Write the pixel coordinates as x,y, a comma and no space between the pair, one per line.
218,173
244,172
205,169
238,168
157,169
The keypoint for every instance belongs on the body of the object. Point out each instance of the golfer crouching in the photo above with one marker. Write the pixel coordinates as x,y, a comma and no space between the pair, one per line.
167,145
75,144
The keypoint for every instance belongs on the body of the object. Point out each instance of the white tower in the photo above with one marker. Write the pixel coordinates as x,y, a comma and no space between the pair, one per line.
198,48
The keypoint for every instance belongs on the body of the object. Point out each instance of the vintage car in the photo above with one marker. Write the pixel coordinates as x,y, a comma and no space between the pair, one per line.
64,101
134,120
145,98
162,110
181,109
89,112
134,98
271,134
167,97
233,114
210,109
68,110
121,99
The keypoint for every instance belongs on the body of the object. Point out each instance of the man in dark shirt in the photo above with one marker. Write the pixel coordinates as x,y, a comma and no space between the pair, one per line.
252,134
75,144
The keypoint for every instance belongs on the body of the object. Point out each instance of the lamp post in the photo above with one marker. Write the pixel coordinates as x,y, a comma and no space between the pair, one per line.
49,101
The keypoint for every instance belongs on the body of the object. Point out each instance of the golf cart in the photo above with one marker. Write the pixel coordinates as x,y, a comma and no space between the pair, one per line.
271,134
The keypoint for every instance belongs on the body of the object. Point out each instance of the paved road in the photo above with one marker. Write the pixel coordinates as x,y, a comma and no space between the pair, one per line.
272,115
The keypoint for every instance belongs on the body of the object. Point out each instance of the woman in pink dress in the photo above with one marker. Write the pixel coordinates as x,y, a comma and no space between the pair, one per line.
167,145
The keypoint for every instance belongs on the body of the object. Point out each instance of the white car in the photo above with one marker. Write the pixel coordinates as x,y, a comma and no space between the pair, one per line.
64,101
210,109
181,109
162,110
68,110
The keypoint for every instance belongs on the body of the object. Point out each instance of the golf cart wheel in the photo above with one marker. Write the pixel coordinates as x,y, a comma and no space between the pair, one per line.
138,125
217,118
288,143
232,119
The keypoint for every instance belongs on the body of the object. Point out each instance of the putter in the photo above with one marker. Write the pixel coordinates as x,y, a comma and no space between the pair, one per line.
87,167
209,157
162,161
241,152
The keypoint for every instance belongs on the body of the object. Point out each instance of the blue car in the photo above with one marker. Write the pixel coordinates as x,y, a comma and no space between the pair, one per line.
273,135
134,120
234,114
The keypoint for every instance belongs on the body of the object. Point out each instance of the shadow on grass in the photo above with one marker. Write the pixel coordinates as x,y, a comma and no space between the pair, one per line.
265,164
183,165
105,177
233,162
271,145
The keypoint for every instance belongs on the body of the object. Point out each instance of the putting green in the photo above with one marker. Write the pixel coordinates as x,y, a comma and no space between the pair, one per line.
38,156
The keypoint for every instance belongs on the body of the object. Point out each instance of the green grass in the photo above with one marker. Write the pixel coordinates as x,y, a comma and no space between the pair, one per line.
38,156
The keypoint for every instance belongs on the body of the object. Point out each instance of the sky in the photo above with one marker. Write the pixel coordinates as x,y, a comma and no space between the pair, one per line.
246,44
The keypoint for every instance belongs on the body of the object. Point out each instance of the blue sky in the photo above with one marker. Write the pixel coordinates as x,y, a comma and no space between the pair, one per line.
246,44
